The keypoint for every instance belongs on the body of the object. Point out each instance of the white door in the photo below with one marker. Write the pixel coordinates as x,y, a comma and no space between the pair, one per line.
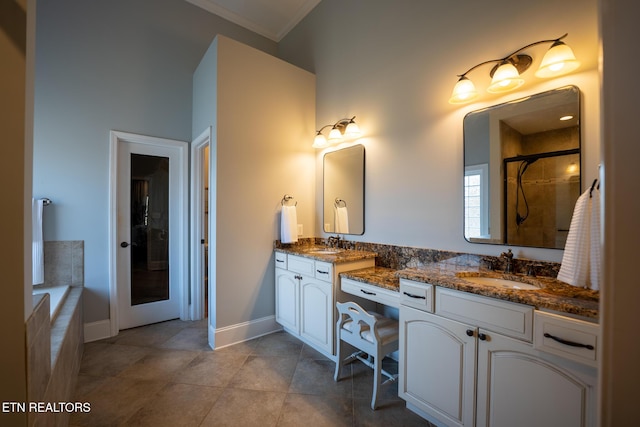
150,229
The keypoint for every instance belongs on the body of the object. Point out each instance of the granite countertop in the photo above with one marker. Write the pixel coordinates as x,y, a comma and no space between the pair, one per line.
382,277
552,295
344,255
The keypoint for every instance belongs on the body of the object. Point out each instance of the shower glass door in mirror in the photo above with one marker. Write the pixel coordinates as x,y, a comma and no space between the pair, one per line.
149,229
522,172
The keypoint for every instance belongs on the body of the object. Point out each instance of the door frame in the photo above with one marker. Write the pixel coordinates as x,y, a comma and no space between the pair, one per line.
198,183
181,235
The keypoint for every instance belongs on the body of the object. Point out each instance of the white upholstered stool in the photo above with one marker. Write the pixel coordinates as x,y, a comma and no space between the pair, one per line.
370,333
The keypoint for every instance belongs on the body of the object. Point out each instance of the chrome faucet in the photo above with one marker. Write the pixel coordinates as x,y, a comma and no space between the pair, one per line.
333,241
508,256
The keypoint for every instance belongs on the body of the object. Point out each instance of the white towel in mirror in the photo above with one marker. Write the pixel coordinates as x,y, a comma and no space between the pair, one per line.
289,225
38,243
341,219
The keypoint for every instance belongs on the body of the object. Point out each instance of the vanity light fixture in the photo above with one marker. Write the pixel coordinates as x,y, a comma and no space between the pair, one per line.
341,130
506,74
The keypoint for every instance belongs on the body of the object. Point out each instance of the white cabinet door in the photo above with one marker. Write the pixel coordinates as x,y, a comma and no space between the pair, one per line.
287,295
316,309
521,386
437,366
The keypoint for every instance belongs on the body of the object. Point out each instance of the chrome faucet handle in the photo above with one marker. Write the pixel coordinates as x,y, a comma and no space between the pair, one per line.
508,255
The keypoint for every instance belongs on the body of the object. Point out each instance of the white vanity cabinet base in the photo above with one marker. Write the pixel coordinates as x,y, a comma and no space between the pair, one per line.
521,386
306,294
478,361
437,367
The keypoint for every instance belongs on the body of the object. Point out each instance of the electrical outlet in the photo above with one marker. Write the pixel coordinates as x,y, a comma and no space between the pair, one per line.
300,230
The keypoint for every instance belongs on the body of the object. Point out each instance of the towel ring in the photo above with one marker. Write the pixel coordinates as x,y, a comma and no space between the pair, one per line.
287,198
338,202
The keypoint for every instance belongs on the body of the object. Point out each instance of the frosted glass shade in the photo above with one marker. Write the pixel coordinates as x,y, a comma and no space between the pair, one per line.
335,134
505,78
558,60
352,130
464,91
320,141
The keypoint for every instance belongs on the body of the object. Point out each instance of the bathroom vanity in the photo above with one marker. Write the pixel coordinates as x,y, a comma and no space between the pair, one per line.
478,347
468,359
306,280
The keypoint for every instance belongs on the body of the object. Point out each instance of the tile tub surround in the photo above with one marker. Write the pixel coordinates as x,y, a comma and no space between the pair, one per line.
54,353
57,295
64,262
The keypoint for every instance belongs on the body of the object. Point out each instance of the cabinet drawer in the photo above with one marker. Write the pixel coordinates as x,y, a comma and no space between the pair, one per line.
416,295
370,292
323,271
281,260
301,265
508,318
570,338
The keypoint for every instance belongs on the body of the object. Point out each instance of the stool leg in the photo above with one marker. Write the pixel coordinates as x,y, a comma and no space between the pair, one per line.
377,379
339,360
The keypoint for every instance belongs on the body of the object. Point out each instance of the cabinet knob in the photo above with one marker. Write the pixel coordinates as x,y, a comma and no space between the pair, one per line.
482,337
469,332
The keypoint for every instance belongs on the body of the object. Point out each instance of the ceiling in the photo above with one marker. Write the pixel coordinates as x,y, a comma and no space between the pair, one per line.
270,18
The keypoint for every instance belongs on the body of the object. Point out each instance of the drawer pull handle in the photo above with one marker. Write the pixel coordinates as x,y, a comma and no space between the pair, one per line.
322,272
367,292
414,296
569,343
279,260
298,277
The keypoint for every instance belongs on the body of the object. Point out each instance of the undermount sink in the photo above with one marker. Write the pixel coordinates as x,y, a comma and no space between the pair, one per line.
501,283
325,251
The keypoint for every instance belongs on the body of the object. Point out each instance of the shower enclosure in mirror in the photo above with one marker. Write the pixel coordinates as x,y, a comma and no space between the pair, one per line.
343,186
522,170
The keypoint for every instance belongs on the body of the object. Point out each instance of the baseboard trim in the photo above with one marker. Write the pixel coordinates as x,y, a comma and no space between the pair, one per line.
95,331
245,331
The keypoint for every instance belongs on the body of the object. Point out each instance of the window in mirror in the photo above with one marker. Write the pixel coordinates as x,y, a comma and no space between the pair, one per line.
476,205
522,170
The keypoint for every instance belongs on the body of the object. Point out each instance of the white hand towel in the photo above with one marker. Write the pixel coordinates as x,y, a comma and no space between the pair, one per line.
341,219
575,261
38,243
289,225
595,256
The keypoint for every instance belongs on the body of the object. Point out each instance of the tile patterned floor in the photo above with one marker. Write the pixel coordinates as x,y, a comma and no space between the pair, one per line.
166,375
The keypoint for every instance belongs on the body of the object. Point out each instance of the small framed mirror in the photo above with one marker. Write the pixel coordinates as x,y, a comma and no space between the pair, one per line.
522,172
343,187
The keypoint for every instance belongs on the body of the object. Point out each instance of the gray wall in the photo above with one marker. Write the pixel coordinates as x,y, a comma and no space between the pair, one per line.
109,65
394,64
262,111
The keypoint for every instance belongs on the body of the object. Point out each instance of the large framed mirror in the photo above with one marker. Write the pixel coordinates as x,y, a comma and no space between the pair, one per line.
522,172
343,187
